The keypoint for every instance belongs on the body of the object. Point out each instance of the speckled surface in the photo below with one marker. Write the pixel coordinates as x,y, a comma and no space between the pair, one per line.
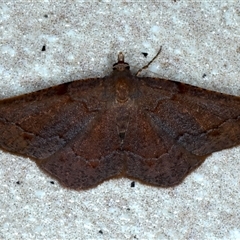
201,46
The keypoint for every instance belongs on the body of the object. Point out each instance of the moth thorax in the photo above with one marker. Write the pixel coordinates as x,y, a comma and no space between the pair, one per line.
122,91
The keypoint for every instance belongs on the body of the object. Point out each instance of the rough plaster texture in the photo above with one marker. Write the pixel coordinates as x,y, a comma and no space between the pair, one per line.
201,46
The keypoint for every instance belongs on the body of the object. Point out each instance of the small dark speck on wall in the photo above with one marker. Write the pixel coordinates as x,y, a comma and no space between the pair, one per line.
132,184
44,48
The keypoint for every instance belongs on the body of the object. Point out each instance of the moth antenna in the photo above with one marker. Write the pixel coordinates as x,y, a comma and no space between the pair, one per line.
146,66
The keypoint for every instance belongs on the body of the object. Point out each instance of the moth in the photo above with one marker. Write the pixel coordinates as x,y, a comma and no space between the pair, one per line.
150,129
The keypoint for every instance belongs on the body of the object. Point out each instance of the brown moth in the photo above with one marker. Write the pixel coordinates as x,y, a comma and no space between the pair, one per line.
150,129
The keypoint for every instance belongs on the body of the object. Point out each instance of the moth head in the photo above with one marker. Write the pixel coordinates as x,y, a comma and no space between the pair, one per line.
121,65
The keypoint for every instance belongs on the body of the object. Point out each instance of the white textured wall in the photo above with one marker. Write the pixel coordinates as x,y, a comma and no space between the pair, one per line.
82,40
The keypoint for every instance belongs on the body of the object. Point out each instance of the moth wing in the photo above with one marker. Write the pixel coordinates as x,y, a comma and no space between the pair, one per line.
90,159
200,120
39,124
177,126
